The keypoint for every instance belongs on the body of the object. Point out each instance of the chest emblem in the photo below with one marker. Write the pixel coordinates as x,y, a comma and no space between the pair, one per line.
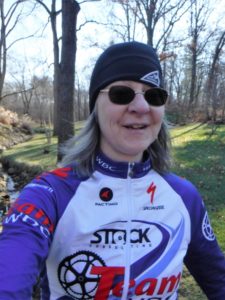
106,194
151,191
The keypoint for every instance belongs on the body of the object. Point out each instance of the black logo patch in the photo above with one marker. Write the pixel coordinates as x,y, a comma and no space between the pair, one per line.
75,276
106,194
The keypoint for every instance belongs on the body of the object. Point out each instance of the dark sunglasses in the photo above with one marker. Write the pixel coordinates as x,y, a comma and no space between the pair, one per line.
120,94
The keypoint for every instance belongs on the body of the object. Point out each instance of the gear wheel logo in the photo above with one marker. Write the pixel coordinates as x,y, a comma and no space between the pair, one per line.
74,274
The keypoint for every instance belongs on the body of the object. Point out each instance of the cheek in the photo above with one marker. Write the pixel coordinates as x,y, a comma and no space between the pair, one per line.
103,115
108,113
157,114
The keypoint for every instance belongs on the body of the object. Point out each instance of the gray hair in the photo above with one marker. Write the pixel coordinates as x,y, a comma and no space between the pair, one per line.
82,149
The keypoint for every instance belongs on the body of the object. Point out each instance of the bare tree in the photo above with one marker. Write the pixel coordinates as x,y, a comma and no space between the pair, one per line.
124,25
213,78
199,15
64,67
150,13
53,13
42,94
26,95
23,91
9,21
81,104
70,9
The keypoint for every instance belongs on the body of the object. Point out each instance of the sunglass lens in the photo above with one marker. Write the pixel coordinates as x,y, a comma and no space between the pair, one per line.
156,97
121,94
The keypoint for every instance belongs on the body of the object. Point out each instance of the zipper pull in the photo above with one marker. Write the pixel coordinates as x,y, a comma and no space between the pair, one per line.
130,169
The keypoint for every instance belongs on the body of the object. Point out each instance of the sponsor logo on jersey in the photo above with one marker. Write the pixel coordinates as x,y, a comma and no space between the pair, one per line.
157,207
119,236
30,214
115,235
74,274
207,229
36,185
106,194
84,275
104,164
151,191
109,284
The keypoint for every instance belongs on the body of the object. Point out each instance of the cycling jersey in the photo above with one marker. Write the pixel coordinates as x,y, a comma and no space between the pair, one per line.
122,233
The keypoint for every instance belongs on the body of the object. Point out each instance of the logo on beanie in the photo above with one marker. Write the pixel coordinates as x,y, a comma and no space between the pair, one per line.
152,77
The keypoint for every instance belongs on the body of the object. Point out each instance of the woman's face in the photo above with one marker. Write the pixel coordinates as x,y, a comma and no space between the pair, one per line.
127,130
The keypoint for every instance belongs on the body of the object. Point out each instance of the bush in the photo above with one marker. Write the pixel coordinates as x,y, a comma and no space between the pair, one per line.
8,117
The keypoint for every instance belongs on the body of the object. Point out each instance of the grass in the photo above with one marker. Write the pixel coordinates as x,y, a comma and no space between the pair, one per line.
199,152
32,152
199,156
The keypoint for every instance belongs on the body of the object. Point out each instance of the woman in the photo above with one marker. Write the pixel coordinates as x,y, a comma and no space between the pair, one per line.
113,223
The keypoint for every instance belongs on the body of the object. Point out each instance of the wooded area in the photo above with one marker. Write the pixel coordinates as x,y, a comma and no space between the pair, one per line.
191,51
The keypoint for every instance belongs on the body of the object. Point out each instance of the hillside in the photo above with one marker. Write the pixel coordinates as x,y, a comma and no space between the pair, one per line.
13,129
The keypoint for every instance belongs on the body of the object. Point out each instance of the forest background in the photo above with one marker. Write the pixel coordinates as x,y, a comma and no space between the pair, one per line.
48,49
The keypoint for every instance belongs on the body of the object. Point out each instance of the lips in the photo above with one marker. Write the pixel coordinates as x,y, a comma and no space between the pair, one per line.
136,126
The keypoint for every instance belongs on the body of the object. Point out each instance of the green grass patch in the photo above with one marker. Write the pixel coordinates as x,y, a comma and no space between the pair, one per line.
37,151
199,152
33,152
199,155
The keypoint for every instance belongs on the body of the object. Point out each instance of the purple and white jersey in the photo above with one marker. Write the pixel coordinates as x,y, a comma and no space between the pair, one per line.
123,233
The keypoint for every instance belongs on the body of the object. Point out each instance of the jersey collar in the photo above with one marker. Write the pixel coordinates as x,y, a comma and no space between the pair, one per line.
121,169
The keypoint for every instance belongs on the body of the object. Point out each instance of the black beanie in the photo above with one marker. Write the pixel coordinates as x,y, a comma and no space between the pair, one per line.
125,61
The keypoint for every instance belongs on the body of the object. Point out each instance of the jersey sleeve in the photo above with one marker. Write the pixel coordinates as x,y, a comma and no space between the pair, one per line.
204,258
25,239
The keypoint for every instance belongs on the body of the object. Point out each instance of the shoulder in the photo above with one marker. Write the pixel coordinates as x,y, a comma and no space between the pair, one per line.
63,175
54,185
186,190
48,194
191,199
59,173
180,184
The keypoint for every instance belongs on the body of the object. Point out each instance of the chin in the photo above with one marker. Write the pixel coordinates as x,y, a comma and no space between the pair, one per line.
134,156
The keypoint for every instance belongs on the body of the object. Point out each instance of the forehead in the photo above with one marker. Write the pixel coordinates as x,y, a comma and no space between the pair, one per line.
130,83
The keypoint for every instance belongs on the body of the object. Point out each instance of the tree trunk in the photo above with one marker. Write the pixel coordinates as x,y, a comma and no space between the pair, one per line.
53,15
210,86
70,9
2,49
192,98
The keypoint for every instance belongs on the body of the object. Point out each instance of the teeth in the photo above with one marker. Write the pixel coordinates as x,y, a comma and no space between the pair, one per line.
136,126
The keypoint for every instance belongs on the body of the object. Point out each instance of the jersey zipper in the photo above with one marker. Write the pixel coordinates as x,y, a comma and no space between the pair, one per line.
129,203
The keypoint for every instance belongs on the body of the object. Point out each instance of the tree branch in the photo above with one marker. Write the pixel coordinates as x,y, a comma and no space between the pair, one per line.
18,92
88,1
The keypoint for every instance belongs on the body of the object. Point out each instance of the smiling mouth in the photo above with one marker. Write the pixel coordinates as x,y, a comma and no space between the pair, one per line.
136,126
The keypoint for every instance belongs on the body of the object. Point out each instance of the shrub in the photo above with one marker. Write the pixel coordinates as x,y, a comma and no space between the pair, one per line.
8,117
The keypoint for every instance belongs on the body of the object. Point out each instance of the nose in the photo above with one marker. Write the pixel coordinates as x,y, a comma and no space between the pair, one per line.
139,104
